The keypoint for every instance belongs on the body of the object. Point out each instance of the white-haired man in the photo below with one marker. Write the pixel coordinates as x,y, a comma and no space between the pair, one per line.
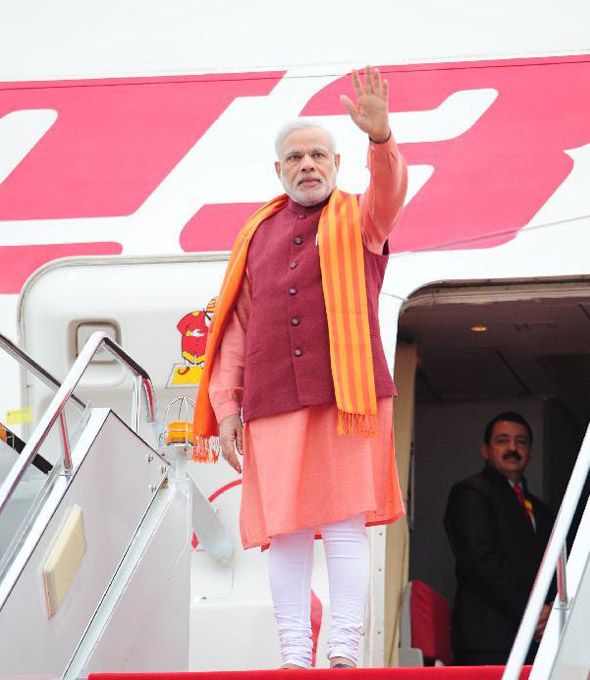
295,346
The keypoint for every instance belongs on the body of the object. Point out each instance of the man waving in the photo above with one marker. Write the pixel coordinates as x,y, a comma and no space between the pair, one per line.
295,354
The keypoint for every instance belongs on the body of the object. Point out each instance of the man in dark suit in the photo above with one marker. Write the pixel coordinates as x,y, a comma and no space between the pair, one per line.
498,532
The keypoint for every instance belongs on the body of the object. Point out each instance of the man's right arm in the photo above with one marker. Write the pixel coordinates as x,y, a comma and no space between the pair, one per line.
227,380
469,526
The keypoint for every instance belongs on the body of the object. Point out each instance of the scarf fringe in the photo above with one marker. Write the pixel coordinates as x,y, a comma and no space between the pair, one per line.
206,449
365,424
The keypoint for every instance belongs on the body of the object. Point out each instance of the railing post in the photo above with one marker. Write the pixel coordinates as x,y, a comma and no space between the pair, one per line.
136,403
562,595
63,395
65,443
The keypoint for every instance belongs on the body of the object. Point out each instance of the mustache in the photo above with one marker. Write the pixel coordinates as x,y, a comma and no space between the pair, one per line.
308,177
512,455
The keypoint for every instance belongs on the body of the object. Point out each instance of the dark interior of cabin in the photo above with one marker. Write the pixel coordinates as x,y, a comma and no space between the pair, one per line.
482,350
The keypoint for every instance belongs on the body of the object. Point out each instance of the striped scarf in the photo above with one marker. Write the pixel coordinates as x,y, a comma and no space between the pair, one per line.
345,296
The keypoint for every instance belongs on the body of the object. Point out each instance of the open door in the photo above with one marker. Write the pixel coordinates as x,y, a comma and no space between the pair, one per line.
397,545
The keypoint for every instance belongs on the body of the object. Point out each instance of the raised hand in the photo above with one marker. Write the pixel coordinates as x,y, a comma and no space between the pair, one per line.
370,112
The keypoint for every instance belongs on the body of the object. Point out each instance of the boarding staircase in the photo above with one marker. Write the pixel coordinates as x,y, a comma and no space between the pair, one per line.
95,556
95,548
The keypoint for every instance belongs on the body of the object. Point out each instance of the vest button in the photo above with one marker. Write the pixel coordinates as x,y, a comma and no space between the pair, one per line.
298,352
301,217
292,291
298,240
293,265
294,321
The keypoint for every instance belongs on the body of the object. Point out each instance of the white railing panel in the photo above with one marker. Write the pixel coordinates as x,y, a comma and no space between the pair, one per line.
573,655
577,570
553,553
114,480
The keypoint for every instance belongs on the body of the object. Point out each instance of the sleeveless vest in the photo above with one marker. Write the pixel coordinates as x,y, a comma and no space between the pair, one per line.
287,363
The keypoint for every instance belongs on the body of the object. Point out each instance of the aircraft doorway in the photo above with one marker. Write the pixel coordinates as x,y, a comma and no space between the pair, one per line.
482,350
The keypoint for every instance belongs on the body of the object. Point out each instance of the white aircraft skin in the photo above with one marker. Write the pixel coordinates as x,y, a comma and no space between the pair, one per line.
308,47
67,41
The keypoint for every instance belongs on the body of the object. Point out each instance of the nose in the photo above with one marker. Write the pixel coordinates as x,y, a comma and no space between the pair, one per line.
307,163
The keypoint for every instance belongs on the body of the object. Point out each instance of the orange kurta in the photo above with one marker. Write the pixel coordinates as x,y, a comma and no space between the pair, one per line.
297,471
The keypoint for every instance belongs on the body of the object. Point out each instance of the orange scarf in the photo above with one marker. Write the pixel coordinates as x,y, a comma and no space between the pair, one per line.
345,296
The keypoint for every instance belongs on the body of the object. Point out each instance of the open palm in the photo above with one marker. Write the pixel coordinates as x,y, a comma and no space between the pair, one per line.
370,112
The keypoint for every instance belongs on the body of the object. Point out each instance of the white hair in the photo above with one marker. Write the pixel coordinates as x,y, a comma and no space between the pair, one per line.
300,124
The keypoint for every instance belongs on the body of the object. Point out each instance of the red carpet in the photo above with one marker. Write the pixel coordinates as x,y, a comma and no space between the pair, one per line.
442,673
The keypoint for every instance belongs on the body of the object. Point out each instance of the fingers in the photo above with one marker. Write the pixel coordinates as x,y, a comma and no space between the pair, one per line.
380,86
376,80
351,108
228,452
368,80
240,440
231,434
356,82
370,111
373,83
232,459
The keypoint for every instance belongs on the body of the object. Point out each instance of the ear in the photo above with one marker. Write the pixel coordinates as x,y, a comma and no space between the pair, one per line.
337,160
278,169
485,451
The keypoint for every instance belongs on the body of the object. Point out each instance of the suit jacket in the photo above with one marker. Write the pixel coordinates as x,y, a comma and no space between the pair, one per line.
497,557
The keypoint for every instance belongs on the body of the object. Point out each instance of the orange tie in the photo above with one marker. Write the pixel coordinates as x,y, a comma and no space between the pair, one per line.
526,504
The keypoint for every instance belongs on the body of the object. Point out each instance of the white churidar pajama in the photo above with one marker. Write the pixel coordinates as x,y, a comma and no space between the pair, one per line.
290,563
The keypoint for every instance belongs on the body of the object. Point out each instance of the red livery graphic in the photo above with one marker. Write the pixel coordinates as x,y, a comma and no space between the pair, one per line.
493,179
487,183
115,141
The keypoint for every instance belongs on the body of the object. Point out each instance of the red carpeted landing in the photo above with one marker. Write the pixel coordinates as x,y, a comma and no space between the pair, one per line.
442,673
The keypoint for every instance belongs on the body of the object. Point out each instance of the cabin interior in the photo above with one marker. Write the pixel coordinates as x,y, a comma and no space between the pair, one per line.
479,350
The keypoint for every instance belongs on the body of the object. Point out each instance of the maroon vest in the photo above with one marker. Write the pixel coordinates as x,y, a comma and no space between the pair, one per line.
287,347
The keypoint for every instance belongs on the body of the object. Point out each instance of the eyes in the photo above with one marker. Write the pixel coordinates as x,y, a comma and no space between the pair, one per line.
295,157
520,441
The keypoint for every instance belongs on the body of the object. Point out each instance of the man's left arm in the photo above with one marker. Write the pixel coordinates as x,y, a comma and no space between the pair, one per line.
382,203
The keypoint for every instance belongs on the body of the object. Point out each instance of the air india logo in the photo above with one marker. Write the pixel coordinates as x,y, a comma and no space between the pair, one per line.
193,328
488,145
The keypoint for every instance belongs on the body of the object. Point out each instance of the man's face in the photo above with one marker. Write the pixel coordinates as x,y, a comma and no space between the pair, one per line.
509,450
308,166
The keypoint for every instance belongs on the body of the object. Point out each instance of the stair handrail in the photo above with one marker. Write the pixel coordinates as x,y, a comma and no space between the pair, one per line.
36,369
142,385
555,556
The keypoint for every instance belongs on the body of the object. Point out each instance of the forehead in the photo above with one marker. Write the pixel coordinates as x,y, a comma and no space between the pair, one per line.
305,139
508,428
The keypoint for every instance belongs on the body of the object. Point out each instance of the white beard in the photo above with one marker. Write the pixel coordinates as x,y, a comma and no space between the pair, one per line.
310,197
